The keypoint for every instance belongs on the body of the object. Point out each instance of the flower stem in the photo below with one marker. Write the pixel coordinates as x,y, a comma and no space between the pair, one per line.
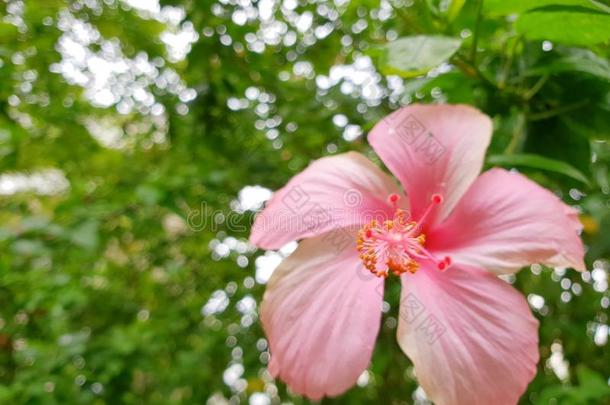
475,38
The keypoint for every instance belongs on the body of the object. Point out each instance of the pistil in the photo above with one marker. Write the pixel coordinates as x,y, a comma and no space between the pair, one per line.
397,245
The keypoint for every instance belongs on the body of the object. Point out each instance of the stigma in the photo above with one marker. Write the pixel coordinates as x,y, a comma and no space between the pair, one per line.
397,245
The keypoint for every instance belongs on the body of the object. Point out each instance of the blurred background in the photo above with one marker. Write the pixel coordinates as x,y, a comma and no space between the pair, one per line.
138,138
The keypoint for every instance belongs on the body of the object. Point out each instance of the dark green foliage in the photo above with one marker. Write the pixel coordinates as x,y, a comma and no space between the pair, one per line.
102,285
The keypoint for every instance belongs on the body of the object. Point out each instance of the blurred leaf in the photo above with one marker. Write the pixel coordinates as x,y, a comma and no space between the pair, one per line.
569,25
149,194
102,286
503,7
538,162
592,123
455,87
592,382
29,247
85,235
575,60
413,56
591,389
7,31
454,9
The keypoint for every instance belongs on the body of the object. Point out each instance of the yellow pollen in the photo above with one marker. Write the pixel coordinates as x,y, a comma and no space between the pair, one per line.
390,247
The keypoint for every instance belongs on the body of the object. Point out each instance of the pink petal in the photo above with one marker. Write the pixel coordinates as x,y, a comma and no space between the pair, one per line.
333,192
433,149
471,336
321,313
506,221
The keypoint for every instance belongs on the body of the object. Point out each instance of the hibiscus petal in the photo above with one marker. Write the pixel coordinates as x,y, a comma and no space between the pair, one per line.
321,313
506,221
333,192
471,336
433,149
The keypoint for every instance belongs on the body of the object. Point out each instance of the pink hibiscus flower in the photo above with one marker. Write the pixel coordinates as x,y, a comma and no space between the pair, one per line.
470,335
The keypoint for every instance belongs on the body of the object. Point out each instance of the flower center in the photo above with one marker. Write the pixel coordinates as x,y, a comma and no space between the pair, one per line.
397,244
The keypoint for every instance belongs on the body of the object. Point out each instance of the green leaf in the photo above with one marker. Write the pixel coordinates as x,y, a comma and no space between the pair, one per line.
454,9
590,379
8,31
591,384
538,162
566,24
455,87
592,123
575,60
503,7
553,139
416,55
86,235
600,5
149,194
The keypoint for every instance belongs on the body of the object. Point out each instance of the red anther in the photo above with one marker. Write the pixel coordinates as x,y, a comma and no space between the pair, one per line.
394,197
447,260
437,198
368,233
441,265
